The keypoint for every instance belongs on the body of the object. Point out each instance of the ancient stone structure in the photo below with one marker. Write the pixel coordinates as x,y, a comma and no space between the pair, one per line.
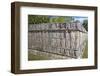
57,40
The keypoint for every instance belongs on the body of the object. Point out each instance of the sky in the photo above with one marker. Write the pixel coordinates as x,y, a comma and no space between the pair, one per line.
81,19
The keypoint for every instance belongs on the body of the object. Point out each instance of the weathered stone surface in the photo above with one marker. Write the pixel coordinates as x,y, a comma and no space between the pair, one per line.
67,39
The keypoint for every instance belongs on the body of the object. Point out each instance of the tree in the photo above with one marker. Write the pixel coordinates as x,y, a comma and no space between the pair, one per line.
37,19
60,19
85,24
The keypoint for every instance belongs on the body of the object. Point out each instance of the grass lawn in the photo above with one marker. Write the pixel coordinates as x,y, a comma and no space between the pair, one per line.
85,53
36,57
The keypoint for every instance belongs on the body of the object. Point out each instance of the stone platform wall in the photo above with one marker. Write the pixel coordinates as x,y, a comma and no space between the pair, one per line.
63,39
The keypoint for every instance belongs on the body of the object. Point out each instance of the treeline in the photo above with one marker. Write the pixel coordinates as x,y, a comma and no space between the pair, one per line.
37,19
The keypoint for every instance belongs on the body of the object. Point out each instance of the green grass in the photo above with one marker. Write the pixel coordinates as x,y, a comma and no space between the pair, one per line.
85,53
36,57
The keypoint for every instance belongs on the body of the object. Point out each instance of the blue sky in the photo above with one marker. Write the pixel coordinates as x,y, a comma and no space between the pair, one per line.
80,18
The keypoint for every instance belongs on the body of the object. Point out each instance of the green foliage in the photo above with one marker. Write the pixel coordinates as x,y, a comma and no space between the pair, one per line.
37,19
69,19
60,19
85,24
